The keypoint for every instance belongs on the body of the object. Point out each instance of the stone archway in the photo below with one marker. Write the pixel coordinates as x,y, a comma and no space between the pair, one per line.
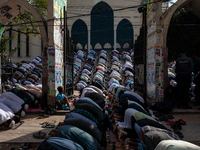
125,33
79,32
102,24
192,5
10,9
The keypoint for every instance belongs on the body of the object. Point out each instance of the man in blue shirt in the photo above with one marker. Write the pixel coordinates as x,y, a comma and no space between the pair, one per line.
184,68
61,100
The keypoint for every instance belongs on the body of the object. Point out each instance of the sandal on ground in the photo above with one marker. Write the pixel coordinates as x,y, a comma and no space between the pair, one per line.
169,122
40,135
170,116
163,118
182,122
178,126
51,124
28,145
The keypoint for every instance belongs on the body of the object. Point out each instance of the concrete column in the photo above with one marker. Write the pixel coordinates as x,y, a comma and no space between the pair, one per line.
115,39
88,41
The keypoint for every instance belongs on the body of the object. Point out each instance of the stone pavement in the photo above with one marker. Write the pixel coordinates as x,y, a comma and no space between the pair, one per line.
23,134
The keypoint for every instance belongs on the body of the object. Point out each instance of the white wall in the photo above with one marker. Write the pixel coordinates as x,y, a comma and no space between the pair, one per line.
34,48
79,7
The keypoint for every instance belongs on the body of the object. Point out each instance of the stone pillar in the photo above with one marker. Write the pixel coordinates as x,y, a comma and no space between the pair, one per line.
88,41
115,39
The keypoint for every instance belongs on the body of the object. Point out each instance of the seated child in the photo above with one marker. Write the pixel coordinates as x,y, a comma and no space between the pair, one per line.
61,100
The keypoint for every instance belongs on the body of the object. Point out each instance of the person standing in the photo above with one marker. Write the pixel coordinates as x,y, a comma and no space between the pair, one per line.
197,79
184,68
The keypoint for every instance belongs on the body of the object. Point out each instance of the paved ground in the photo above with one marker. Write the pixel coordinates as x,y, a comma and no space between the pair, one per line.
24,133
15,138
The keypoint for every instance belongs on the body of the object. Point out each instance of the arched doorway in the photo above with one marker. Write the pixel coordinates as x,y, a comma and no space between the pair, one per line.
102,24
79,47
97,46
107,46
125,33
193,6
126,46
9,10
79,32
118,46
86,46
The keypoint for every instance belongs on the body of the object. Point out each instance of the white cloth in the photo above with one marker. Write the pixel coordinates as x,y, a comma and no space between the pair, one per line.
115,58
11,96
117,77
80,53
86,90
5,113
97,77
86,71
80,86
103,51
135,95
176,145
103,55
115,72
15,107
116,51
127,118
128,73
101,60
39,86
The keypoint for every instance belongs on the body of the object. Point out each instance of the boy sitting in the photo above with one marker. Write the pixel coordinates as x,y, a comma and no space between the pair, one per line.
61,100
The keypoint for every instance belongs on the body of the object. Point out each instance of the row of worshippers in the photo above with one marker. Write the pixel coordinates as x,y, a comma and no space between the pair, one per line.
128,79
84,128
13,105
23,95
136,124
100,71
86,71
29,70
79,59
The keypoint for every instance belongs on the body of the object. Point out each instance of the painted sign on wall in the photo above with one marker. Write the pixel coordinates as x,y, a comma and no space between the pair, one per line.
51,68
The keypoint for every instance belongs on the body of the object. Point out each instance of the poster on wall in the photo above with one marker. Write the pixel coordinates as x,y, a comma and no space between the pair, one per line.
151,84
51,68
58,40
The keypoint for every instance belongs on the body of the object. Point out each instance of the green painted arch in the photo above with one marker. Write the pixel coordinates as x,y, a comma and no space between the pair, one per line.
79,33
125,33
102,24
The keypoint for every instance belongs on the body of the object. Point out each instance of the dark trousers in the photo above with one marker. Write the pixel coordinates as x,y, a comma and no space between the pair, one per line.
183,81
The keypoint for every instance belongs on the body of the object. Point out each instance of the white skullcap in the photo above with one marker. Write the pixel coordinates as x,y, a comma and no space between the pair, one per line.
26,107
23,114
36,102
12,124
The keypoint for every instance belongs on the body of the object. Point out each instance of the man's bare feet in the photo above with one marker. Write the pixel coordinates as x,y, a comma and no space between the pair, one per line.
122,135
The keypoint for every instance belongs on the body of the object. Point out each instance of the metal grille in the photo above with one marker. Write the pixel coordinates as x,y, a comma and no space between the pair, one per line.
140,63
